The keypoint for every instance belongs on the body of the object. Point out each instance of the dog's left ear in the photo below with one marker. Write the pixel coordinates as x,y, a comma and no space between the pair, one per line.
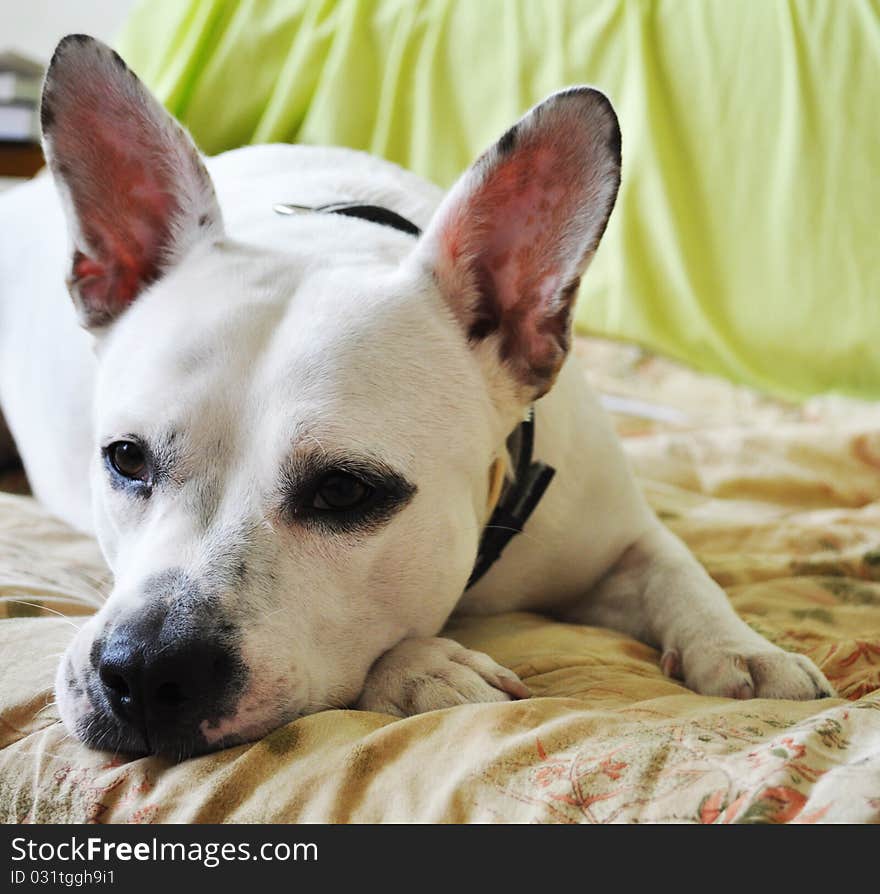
510,241
133,185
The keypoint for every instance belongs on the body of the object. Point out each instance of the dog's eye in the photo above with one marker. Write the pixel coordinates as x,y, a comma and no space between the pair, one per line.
127,458
355,496
340,491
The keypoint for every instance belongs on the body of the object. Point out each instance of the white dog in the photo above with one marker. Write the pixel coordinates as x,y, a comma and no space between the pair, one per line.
289,433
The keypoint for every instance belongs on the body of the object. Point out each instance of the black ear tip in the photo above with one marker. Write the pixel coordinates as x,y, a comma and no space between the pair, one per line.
614,142
594,102
69,42
74,54
508,140
47,116
72,42
74,38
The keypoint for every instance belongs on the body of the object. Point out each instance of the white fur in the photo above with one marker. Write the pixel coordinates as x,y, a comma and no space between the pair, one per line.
318,333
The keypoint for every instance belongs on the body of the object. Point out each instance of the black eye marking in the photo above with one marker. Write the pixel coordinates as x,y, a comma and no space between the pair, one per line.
351,495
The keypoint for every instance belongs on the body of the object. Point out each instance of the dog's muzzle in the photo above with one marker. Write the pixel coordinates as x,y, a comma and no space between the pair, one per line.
157,679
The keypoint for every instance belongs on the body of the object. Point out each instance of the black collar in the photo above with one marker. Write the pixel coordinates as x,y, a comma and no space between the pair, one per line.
518,499
373,213
530,478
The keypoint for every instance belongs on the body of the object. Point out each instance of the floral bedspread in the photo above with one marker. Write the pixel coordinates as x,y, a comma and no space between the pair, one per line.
782,505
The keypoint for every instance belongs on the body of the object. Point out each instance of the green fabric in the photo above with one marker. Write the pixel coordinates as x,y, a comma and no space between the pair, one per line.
745,236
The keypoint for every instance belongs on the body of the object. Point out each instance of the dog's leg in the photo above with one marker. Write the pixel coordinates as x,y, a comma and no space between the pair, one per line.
660,594
425,674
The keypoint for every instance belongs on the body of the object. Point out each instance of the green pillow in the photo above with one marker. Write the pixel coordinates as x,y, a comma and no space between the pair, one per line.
745,237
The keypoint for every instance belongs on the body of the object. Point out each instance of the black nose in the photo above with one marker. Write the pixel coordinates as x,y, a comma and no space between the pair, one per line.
163,682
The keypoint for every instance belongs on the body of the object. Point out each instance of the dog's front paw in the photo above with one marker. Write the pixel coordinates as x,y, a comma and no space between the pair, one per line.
426,674
764,671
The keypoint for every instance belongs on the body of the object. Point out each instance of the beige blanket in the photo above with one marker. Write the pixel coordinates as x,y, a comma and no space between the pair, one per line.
781,504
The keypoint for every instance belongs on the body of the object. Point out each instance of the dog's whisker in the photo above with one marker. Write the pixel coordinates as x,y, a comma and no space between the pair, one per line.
93,595
44,608
94,582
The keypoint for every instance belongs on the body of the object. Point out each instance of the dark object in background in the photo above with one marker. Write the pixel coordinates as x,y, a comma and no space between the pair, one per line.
20,80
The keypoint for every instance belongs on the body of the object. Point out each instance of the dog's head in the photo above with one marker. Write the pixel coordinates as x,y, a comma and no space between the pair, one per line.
291,459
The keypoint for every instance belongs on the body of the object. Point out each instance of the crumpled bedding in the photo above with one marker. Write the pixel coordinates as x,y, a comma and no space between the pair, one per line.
782,505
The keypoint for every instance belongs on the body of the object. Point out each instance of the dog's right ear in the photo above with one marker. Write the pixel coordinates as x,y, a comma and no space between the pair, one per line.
134,188
508,244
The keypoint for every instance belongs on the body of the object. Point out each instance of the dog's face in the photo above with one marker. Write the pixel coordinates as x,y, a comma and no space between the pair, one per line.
291,464
294,485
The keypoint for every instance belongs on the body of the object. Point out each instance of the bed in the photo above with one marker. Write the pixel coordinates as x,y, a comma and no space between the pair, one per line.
780,502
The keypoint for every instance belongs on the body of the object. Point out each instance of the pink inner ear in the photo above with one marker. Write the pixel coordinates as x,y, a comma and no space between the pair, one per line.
119,158
526,200
515,230
124,211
